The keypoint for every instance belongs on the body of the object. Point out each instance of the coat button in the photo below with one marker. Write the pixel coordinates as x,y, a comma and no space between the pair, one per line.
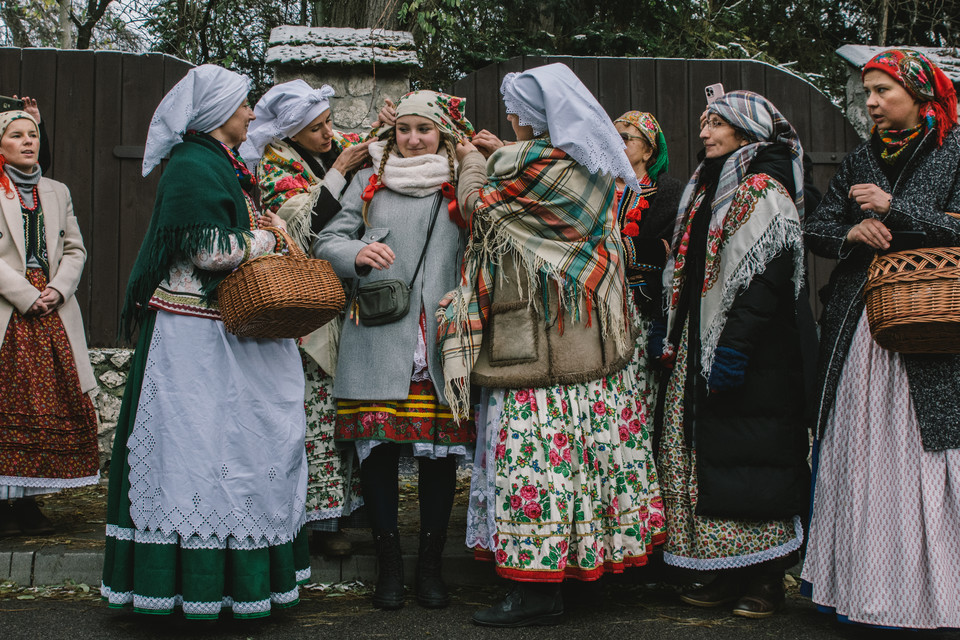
61,233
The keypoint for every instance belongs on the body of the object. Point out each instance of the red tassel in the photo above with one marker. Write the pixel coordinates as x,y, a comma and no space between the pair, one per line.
374,186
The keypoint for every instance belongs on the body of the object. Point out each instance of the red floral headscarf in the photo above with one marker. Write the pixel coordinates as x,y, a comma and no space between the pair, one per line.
925,82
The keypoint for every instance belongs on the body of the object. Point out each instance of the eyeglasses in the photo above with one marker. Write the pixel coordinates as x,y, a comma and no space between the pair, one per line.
714,123
626,137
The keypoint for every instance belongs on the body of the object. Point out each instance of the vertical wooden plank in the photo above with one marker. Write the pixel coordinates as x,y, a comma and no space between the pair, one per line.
753,77
791,95
529,62
613,86
10,71
487,103
673,113
504,129
38,79
586,70
643,86
103,249
71,149
138,100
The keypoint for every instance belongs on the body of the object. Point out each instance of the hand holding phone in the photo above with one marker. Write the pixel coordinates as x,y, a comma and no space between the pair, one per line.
10,104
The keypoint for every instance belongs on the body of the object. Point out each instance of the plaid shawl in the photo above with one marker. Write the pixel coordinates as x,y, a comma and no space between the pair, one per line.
558,222
284,177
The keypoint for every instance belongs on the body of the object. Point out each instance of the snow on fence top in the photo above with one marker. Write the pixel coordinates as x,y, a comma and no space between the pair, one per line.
316,45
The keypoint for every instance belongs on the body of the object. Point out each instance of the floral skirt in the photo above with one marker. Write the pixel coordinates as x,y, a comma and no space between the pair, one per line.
697,542
564,484
333,480
48,426
418,419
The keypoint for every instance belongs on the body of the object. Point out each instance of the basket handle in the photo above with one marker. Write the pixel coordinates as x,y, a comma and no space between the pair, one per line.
293,249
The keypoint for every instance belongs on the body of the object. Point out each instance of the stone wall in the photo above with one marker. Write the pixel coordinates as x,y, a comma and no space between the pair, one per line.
110,366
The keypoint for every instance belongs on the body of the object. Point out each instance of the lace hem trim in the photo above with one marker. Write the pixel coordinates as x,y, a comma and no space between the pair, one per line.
212,608
193,542
49,483
735,562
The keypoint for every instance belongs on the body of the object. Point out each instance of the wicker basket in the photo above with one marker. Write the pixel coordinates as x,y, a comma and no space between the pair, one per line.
913,300
279,296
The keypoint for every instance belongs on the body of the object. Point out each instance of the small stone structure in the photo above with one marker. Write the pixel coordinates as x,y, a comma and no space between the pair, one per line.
110,366
364,66
857,55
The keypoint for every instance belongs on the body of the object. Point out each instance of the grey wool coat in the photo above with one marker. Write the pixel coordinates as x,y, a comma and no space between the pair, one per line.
375,363
928,186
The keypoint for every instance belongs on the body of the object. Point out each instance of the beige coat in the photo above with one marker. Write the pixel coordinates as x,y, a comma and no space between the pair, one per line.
66,255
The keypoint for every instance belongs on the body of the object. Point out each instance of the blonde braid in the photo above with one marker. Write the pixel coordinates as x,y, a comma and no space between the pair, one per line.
451,155
387,150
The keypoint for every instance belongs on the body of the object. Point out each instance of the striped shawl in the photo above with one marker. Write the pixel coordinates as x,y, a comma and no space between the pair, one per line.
556,220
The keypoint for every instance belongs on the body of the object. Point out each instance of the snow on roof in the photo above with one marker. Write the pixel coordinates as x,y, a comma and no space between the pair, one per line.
313,45
947,59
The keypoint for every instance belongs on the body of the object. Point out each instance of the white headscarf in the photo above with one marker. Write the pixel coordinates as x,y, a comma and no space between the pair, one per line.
206,98
283,111
552,99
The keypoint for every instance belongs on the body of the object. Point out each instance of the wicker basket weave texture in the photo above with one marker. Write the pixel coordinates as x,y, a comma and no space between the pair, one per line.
280,296
913,300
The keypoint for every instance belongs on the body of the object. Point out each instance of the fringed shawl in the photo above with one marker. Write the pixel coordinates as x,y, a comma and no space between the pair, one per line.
557,221
199,207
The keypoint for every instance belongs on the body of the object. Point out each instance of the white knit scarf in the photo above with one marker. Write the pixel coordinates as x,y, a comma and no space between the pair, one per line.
418,176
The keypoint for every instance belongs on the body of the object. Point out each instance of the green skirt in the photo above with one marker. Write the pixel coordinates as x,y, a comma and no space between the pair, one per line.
155,573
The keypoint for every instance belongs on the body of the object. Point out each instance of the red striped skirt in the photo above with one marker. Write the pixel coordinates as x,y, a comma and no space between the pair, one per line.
48,427
419,418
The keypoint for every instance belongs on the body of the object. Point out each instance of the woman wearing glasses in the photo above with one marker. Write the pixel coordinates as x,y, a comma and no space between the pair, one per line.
732,459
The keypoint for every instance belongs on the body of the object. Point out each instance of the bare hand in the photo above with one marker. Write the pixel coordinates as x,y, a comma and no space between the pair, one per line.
703,118
38,308
872,233
486,143
352,158
30,106
270,219
870,197
388,114
446,300
52,299
376,255
464,148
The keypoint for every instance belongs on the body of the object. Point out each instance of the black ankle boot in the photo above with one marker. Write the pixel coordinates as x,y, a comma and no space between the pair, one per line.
527,604
389,591
431,590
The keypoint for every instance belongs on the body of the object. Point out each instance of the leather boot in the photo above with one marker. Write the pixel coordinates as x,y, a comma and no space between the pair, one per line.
527,604
432,592
763,596
31,520
389,591
727,587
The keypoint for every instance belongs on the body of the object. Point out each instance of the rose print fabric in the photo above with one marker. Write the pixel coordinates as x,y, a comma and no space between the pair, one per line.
696,542
564,484
333,481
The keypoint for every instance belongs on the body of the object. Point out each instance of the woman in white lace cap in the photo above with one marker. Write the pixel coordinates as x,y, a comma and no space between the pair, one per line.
209,475
564,484
303,165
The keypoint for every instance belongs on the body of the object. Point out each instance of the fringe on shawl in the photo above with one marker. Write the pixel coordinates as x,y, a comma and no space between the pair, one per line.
154,261
781,235
572,297
298,224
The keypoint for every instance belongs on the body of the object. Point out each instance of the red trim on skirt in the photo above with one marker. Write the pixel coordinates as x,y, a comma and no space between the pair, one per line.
48,426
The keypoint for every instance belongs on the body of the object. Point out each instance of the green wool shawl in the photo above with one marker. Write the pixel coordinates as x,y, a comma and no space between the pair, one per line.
199,207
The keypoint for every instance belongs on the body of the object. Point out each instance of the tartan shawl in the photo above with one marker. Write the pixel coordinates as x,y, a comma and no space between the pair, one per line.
557,221
285,177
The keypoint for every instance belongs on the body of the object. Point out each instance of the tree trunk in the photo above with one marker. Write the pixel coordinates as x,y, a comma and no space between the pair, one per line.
359,14
66,27
885,13
11,16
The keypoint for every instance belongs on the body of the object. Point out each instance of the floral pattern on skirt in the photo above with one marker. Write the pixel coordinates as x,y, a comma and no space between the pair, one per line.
48,426
702,543
333,481
574,489
419,418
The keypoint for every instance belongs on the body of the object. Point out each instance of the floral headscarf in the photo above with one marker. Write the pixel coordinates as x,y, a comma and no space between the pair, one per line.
923,80
443,109
7,117
650,130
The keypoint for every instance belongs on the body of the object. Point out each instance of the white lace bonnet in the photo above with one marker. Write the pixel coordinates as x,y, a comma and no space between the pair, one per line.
552,99
206,98
283,111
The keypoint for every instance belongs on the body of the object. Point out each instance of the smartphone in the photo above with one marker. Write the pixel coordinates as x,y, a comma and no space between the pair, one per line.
10,104
906,240
713,91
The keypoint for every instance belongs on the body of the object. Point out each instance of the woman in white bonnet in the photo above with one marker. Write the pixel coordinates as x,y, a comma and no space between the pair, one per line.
208,483
303,165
